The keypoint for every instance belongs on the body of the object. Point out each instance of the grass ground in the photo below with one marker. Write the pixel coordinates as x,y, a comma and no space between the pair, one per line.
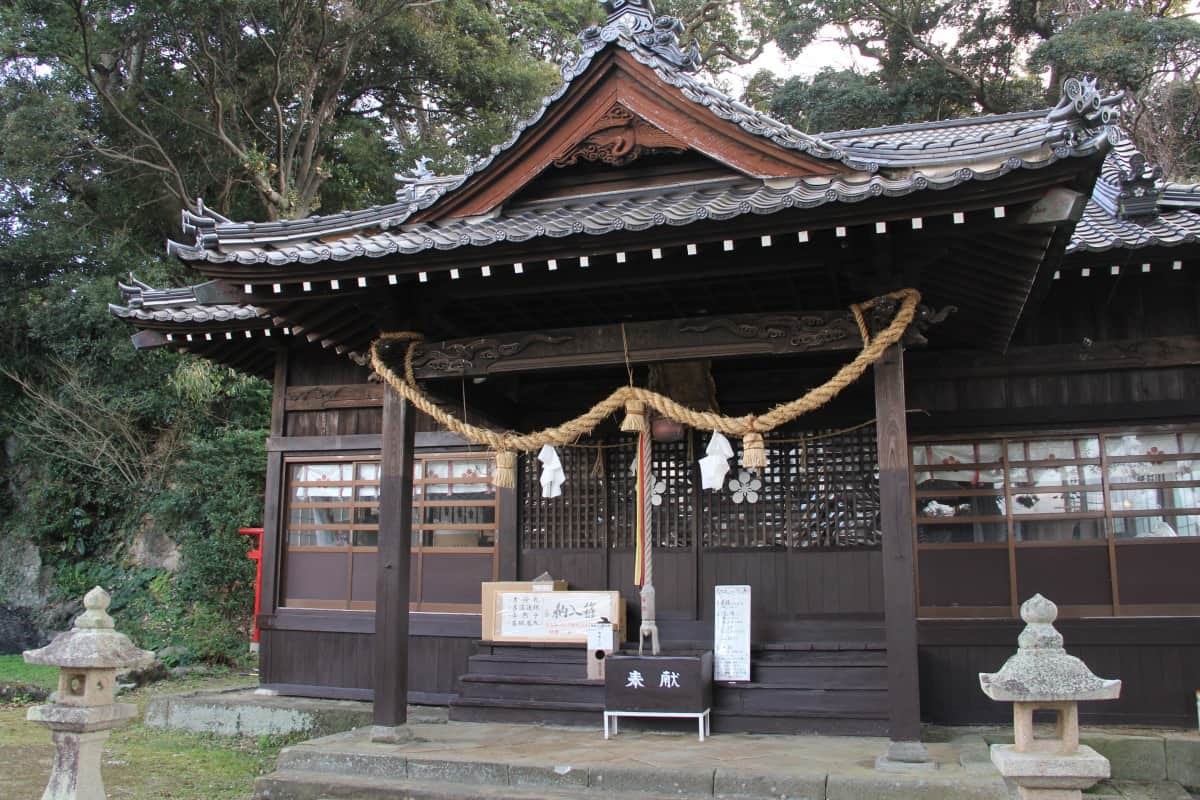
13,669
139,764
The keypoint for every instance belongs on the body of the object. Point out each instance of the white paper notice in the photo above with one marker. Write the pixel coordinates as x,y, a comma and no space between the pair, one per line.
731,633
552,615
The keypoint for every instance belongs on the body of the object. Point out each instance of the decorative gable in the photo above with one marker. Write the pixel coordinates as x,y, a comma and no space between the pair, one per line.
629,95
618,138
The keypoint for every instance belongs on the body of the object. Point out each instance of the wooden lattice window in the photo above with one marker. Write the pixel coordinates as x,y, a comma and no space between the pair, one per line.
675,483
573,521
820,491
332,532
997,518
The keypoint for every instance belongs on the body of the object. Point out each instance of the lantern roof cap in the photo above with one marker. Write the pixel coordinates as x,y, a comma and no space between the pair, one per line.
1042,671
92,643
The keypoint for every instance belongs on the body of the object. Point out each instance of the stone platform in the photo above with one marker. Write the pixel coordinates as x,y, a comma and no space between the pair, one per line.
492,761
468,760
243,712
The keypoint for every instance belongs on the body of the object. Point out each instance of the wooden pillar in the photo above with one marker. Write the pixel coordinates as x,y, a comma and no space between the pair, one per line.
391,586
895,505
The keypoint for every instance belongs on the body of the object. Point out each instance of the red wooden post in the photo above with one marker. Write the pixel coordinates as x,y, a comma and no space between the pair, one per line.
255,555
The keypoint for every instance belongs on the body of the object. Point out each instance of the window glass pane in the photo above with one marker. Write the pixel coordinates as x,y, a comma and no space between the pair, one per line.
473,491
366,516
437,491
437,469
368,471
366,538
1054,449
1156,470
960,506
459,515
1155,499
963,453
325,473
1057,502
1052,530
334,515
370,493
458,538
962,533
1157,527
1142,444
318,538
479,468
943,457
1088,474
322,494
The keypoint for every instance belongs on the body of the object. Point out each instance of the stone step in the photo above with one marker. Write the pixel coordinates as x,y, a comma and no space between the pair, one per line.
808,676
305,785
516,665
482,709
522,687
784,700
789,723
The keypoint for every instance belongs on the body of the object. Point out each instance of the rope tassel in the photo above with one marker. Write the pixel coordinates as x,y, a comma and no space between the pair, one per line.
635,417
754,453
506,469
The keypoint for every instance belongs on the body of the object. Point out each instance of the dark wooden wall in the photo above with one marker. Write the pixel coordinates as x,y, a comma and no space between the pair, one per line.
339,664
1157,660
1100,350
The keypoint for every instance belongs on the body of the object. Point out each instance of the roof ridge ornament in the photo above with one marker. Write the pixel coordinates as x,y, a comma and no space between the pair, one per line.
616,9
636,20
1140,187
1092,115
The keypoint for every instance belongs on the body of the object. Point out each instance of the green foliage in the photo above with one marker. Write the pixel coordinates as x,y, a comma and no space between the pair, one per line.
928,61
1123,48
13,669
113,116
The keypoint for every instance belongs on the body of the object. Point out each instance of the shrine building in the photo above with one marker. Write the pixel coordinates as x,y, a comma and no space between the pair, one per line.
1034,429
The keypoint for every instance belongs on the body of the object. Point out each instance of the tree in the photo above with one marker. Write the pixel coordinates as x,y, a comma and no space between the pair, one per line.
113,116
268,108
932,60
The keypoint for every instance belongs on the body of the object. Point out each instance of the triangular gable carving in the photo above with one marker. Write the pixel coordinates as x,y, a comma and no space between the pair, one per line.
620,137
618,110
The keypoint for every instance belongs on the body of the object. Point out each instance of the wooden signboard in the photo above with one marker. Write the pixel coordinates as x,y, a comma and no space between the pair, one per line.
731,633
489,590
533,616
672,684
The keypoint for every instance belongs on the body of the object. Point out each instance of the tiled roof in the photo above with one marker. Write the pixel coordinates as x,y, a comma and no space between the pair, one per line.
1100,231
893,161
600,214
144,304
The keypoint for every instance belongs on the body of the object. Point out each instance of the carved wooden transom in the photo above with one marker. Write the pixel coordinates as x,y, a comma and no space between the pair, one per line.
618,138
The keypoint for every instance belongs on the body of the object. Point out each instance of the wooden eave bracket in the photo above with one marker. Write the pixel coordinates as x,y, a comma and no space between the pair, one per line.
1058,206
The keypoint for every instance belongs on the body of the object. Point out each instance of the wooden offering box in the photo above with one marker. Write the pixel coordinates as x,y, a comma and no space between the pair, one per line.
669,684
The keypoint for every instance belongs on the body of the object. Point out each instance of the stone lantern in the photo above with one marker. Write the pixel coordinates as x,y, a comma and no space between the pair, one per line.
1041,676
83,714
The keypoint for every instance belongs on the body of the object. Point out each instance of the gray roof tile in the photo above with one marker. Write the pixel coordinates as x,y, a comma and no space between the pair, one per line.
914,157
